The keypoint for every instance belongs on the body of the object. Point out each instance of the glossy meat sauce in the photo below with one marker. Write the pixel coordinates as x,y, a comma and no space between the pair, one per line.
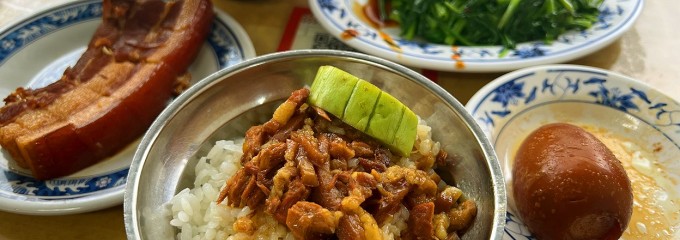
325,180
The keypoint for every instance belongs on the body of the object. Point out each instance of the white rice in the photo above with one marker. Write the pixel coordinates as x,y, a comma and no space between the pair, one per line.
195,212
393,226
197,216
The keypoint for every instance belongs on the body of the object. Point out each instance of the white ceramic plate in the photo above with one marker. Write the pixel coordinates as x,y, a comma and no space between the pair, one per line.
34,52
639,117
339,17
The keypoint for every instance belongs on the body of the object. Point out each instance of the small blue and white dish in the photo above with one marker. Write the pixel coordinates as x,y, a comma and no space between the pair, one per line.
638,123
339,17
34,52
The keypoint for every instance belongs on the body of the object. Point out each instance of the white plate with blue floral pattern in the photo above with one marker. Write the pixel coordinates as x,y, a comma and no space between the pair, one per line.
34,52
636,121
341,19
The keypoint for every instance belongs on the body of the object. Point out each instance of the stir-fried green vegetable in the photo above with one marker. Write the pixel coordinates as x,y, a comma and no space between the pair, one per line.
489,22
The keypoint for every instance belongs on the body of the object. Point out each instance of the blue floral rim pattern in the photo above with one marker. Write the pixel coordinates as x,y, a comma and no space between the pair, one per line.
614,18
62,188
222,40
532,89
630,100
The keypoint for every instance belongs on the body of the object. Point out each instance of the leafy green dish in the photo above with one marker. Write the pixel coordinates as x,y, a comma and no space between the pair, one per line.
488,22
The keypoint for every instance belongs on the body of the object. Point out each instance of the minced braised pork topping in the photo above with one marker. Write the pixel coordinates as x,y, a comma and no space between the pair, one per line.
325,180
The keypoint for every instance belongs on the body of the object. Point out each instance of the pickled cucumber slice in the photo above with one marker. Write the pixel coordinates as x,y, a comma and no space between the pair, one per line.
361,104
365,107
331,90
405,135
385,119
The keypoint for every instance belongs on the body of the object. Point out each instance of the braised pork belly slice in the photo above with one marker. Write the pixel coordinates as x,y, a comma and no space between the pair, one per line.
134,64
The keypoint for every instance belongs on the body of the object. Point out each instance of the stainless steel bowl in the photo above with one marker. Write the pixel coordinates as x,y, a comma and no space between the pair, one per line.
225,104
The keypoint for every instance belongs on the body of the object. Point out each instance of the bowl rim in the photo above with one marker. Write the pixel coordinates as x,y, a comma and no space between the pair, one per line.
130,199
367,42
478,98
481,99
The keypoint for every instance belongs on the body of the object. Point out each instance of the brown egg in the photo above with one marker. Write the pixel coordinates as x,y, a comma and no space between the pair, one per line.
568,185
